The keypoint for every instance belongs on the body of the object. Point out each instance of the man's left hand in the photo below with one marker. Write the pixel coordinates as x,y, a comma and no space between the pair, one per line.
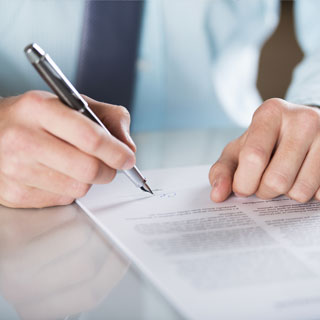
278,154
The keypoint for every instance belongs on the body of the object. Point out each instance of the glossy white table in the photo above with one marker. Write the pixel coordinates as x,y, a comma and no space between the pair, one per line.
55,264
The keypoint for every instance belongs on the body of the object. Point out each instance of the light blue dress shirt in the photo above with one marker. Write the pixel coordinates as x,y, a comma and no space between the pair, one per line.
198,59
198,62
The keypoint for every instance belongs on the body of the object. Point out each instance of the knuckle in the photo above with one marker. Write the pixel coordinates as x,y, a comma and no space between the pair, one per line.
230,146
32,95
308,119
93,140
302,191
12,138
274,102
29,100
271,107
254,155
216,167
219,167
10,168
276,182
123,112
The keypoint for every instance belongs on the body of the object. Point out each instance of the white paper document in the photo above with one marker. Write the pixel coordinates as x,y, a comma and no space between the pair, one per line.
241,259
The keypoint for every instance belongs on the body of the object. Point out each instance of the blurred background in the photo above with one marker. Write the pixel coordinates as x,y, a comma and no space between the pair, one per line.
279,55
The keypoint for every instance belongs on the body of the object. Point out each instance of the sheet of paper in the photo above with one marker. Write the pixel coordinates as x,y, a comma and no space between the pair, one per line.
241,259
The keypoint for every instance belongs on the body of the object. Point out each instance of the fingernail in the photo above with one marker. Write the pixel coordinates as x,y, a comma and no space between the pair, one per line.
129,164
215,183
215,190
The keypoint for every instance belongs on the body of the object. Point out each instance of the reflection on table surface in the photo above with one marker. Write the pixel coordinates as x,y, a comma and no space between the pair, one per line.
55,264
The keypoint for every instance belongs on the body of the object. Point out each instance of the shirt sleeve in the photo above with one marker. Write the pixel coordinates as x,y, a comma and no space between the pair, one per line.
305,85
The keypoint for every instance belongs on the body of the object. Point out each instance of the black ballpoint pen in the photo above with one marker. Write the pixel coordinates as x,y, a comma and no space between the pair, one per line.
63,88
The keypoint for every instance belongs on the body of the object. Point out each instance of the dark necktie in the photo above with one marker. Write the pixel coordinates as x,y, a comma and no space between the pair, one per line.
109,48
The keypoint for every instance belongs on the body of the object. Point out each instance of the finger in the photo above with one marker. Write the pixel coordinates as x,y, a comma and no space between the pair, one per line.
72,127
116,119
221,173
257,149
308,179
286,162
24,148
15,195
71,162
43,178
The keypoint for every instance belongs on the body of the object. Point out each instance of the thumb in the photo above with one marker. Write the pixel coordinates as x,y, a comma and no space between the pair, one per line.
222,172
115,118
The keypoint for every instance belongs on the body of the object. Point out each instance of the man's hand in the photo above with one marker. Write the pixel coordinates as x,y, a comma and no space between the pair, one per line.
278,154
51,155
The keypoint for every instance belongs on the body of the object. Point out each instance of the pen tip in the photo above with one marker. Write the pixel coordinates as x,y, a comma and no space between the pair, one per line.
146,188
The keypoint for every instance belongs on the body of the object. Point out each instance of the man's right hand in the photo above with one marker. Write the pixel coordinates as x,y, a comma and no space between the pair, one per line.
51,154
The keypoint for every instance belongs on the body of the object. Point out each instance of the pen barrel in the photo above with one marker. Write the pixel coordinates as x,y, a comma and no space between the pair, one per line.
135,176
67,93
55,78
63,91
